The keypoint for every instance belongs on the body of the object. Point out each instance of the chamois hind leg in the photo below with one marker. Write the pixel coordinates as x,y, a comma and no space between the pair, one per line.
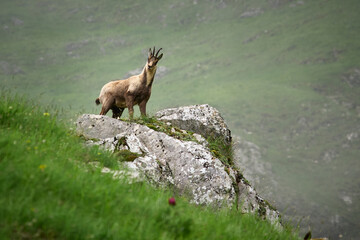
117,112
106,106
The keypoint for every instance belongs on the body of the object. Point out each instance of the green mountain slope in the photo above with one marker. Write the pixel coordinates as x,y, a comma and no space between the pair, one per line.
285,75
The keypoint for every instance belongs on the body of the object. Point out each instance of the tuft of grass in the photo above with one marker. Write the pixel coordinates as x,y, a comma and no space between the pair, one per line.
47,192
160,126
220,149
127,156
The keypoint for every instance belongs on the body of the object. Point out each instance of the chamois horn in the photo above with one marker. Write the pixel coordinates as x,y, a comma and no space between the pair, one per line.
150,53
158,52
153,53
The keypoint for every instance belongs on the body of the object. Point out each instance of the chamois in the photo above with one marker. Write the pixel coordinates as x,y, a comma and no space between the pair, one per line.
136,90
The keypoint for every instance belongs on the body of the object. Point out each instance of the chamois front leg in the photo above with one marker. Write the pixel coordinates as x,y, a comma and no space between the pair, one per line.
142,107
131,111
130,105
117,112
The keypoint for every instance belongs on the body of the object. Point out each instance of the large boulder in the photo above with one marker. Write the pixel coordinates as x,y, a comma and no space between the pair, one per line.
186,166
189,166
202,119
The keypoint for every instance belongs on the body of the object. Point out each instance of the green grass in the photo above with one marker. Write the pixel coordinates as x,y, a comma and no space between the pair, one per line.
48,192
223,151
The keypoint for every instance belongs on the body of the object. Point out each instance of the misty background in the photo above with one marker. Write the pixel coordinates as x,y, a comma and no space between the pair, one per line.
284,74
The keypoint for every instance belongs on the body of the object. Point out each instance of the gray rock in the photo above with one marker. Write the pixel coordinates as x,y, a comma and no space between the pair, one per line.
77,45
193,169
202,119
10,69
188,167
16,21
136,71
252,13
247,158
352,78
161,71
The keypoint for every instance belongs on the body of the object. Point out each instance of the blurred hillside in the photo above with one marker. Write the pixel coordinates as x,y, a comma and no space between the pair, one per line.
285,75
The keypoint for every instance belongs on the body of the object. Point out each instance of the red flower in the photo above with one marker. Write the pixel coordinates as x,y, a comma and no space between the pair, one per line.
172,201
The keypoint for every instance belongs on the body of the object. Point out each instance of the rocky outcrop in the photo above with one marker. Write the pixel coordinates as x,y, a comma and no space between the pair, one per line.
202,119
188,167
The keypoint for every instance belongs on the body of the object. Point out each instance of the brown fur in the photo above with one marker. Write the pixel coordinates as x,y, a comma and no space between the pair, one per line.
136,90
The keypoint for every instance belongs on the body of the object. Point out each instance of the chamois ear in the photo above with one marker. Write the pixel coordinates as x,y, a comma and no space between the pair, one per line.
160,57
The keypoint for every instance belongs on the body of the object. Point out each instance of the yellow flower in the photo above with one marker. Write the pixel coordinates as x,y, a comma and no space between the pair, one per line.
42,167
46,114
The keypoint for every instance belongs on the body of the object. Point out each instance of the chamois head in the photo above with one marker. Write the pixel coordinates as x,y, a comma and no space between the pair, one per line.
153,58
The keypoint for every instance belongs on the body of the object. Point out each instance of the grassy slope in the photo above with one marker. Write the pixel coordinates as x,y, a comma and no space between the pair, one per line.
277,75
48,193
